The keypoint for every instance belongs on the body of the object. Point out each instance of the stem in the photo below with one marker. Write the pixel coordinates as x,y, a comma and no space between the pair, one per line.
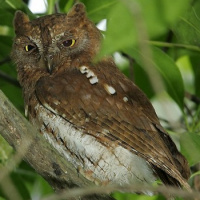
50,8
174,45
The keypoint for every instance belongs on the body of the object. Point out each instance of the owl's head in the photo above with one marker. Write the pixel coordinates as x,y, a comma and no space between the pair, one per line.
49,41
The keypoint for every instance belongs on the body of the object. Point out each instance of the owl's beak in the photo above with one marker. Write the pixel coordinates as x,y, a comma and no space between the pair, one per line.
50,63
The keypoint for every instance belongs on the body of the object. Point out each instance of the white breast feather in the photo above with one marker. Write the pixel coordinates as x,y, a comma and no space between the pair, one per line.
118,166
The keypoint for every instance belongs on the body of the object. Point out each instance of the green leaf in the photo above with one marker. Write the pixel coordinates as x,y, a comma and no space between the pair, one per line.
8,8
97,10
159,15
190,147
130,21
195,61
142,80
120,32
5,46
21,188
5,151
171,75
15,4
65,5
187,29
6,18
166,67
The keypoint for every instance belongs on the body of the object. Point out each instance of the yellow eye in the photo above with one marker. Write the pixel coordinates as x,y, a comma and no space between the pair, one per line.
29,47
69,43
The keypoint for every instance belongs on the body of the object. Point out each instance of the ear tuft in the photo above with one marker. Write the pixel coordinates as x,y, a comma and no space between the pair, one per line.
77,13
20,19
79,7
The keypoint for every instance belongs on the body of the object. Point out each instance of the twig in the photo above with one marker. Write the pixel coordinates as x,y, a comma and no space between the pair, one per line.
188,110
9,189
165,190
174,45
168,40
56,8
5,60
192,97
9,79
6,76
131,65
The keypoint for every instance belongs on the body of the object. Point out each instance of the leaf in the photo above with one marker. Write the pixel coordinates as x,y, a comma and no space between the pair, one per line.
15,4
65,5
8,7
6,18
166,67
21,188
190,147
5,151
195,61
97,10
120,32
187,29
159,15
171,76
142,80
130,21
5,44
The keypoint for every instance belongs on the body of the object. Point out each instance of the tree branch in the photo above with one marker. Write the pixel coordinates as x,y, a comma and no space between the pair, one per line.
167,191
9,79
34,149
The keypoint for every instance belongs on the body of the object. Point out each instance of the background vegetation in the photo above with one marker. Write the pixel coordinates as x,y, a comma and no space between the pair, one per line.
157,45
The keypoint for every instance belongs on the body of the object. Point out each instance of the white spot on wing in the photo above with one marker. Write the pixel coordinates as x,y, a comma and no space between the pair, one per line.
83,69
109,89
89,74
125,99
93,80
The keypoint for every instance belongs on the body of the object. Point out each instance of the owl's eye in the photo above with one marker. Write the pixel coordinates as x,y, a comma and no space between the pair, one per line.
29,47
69,43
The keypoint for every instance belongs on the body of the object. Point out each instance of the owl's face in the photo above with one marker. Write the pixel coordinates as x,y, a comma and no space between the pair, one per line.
50,41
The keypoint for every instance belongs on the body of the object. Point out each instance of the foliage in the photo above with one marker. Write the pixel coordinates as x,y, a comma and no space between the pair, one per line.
161,38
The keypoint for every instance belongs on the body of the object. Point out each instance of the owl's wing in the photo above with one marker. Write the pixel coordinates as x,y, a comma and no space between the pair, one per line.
112,107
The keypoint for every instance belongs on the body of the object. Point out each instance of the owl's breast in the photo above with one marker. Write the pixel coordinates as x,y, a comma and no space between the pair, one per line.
90,156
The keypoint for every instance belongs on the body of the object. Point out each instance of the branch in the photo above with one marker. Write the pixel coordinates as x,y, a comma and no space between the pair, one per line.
192,98
131,65
34,149
5,60
9,79
6,76
165,190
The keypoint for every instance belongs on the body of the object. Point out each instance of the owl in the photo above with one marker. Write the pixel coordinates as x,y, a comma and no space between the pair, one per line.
94,116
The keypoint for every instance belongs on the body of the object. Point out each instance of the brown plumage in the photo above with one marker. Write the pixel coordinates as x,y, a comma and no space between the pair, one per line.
94,115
